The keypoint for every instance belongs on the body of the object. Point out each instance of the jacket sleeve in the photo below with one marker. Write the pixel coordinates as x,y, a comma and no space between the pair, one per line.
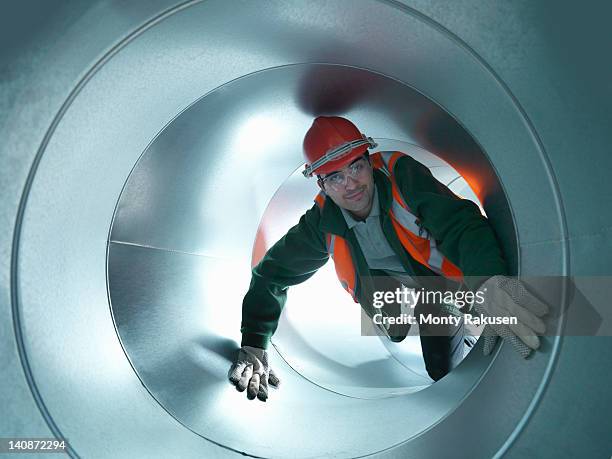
290,261
462,233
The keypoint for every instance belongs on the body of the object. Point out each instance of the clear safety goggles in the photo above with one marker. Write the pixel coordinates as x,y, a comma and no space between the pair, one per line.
338,180
338,152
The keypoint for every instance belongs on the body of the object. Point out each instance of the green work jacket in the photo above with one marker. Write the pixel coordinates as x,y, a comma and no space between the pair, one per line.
462,234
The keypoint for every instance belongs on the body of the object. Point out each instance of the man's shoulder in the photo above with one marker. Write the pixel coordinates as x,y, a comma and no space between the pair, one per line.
397,160
325,215
314,213
318,213
405,161
404,169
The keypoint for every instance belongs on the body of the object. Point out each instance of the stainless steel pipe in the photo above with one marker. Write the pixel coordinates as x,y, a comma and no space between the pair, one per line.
135,135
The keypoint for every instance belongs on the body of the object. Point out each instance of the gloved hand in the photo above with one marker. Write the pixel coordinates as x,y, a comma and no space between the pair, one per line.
251,370
507,297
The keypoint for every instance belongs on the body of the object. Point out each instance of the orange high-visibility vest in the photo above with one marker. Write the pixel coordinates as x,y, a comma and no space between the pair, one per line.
416,240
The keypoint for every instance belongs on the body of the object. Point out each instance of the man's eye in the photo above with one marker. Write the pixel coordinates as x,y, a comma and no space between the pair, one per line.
336,179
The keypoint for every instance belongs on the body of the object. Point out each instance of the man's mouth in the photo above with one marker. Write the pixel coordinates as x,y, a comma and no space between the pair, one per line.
355,196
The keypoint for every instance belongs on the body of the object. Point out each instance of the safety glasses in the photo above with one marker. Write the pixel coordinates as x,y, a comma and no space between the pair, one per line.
338,180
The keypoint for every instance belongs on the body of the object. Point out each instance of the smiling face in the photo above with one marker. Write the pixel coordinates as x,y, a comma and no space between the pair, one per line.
351,187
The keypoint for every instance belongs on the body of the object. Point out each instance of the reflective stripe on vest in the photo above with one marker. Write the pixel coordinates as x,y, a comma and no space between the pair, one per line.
415,239
340,252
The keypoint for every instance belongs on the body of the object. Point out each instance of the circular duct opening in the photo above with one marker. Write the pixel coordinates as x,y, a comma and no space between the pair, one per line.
123,101
183,231
320,333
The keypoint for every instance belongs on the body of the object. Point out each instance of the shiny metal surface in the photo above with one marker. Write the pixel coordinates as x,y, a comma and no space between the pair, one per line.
204,199
180,258
78,113
234,147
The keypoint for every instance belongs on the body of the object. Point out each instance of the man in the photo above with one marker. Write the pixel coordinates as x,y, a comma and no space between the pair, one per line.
385,221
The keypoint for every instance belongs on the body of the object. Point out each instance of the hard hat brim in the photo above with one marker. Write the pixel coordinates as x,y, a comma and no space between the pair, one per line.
340,156
341,162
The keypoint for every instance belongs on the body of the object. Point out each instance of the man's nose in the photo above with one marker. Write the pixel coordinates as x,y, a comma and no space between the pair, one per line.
351,183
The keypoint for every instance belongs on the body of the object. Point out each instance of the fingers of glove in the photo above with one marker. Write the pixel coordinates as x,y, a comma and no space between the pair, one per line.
519,346
536,306
235,371
502,304
504,332
507,335
245,377
489,344
253,387
524,297
262,393
493,307
523,314
526,335
273,379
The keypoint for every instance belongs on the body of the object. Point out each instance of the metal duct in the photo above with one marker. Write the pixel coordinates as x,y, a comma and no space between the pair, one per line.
135,136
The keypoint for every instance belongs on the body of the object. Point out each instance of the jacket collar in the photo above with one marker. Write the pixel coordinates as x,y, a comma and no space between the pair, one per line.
332,220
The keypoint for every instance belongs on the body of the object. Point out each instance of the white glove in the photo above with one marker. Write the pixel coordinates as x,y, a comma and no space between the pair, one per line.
251,370
507,297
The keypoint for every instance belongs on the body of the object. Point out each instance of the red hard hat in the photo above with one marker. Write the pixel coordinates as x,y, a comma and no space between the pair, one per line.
331,143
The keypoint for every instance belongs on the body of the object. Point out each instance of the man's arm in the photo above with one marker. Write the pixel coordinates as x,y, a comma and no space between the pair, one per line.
292,260
467,239
462,233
